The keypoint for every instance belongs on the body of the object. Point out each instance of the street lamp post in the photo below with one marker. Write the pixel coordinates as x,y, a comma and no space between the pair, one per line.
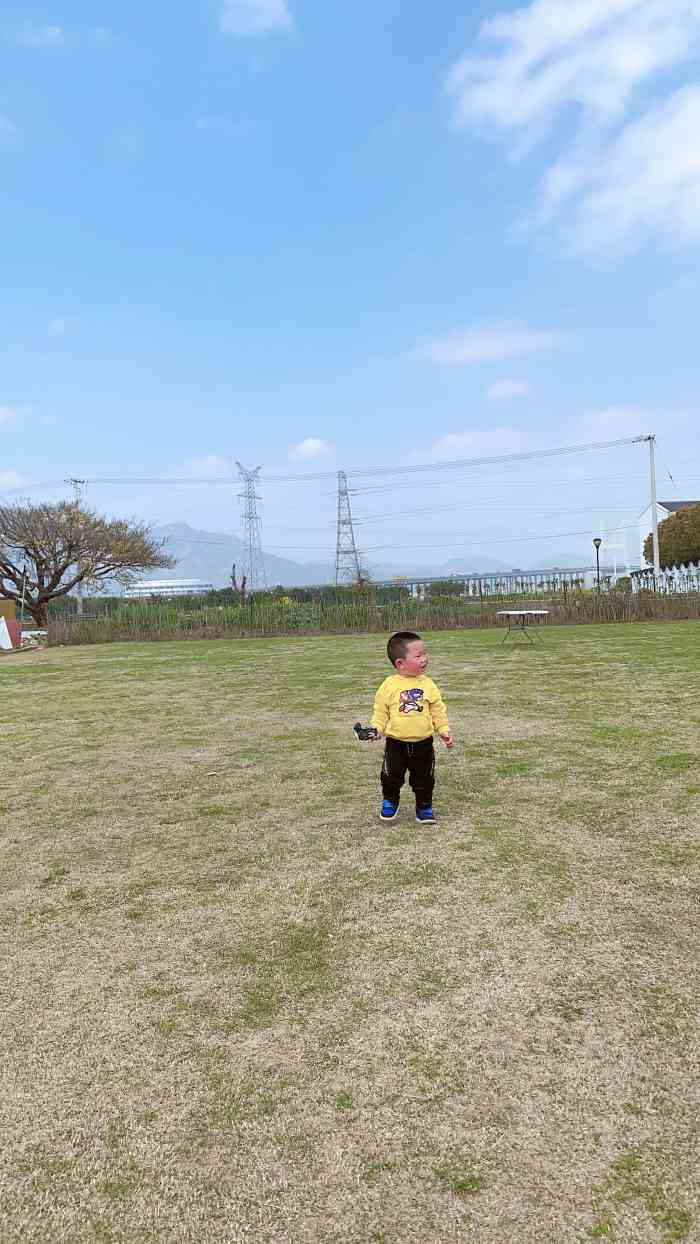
597,542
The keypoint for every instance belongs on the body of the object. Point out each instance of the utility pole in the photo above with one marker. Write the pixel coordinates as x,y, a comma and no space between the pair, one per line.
654,509
347,558
254,566
77,485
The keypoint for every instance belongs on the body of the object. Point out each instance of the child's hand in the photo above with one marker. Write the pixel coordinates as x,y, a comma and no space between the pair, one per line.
448,740
377,738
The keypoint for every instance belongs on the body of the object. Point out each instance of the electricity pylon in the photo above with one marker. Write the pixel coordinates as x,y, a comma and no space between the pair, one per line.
254,562
347,558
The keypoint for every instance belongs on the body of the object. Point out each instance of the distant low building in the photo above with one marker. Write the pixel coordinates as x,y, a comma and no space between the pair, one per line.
166,589
664,510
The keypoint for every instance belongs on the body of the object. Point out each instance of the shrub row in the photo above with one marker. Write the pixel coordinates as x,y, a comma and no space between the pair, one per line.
263,616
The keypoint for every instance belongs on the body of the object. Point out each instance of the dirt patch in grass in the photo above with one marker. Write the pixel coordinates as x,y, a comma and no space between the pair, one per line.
241,1009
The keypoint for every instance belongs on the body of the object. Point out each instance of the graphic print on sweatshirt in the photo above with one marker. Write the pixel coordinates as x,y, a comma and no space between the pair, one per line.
411,701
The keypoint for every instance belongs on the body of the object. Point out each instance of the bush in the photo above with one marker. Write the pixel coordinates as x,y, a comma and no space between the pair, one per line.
679,539
263,615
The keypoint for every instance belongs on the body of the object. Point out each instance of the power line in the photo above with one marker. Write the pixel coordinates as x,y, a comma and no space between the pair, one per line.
417,468
529,455
136,481
511,482
559,535
474,542
443,509
228,481
523,456
224,542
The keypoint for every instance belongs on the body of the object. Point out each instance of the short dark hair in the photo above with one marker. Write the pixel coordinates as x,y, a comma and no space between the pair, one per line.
398,645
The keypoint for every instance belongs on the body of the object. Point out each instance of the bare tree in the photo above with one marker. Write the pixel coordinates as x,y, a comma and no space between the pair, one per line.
59,546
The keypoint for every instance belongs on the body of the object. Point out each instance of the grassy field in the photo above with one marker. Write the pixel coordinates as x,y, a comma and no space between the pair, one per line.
238,1008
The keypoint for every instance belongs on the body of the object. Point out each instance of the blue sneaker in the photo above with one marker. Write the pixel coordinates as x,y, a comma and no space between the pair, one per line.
389,811
425,816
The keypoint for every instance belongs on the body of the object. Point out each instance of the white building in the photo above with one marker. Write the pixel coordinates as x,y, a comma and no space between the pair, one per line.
165,589
664,509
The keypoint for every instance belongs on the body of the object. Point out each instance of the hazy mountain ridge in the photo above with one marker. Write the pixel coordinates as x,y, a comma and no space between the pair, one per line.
209,556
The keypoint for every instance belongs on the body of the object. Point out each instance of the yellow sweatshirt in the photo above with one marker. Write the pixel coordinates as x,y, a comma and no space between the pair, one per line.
409,708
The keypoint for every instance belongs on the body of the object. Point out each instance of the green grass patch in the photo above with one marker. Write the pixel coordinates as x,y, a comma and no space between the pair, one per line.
238,1002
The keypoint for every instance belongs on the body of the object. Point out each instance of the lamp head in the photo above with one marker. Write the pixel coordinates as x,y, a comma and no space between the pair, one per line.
597,542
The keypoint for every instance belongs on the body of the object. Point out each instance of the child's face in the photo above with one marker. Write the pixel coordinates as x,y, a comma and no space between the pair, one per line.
415,661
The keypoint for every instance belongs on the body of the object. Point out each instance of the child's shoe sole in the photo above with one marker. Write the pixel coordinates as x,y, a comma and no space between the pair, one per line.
393,816
426,820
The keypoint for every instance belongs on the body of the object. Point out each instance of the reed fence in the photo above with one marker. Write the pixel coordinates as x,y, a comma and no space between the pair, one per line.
143,621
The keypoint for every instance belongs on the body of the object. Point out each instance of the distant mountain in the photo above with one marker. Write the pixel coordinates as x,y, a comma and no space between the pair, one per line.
209,555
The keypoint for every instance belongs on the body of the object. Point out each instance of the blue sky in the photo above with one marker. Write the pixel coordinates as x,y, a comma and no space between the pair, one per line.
315,236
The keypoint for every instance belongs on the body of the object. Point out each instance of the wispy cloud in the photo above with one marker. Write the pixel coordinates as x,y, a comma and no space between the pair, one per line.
41,36
255,17
57,327
477,443
617,421
503,390
594,61
645,181
312,447
7,414
489,343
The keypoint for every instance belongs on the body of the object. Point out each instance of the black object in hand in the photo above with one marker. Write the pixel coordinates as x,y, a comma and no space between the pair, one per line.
364,734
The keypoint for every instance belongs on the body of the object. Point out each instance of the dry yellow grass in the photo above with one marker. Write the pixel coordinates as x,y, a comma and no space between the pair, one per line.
237,1008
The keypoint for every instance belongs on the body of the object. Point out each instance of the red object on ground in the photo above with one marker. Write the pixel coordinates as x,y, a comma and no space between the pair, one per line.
15,629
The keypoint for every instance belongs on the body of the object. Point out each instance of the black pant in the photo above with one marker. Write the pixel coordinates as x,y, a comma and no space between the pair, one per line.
419,759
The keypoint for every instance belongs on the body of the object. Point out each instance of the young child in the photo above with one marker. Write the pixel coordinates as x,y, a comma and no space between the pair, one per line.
408,710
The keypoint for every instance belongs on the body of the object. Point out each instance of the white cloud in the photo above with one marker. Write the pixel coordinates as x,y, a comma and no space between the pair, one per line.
594,55
502,390
312,447
489,343
645,181
255,17
591,63
615,422
477,443
7,413
41,37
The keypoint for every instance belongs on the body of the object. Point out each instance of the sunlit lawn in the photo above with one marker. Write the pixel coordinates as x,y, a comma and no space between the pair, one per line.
237,1007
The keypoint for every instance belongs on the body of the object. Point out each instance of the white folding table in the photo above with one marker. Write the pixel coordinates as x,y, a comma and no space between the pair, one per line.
518,620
